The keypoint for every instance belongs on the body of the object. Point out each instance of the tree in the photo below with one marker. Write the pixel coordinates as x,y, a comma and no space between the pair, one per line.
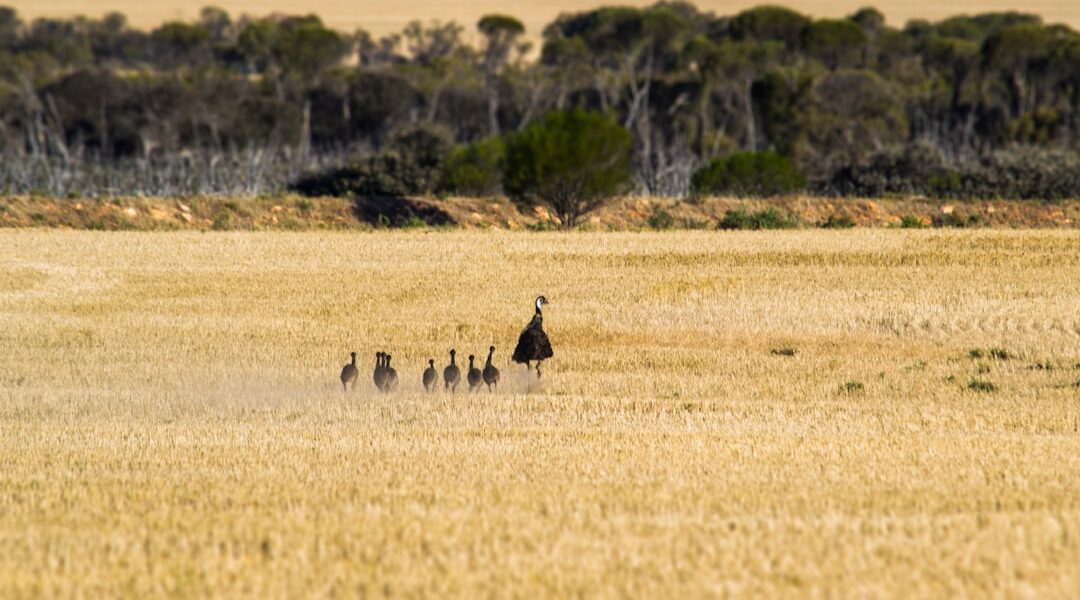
1014,52
774,23
180,44
305,48
836,43
438,59
571,161
10,27
500,32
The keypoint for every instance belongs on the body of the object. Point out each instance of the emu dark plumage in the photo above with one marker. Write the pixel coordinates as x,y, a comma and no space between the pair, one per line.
475,377
391,375
451,374
349,373
380,371
430,376
533,343
491,373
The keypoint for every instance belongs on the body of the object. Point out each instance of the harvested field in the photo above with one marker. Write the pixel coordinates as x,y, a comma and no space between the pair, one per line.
871,412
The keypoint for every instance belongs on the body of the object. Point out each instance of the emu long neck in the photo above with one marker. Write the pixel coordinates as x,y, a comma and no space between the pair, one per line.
353,363
490,352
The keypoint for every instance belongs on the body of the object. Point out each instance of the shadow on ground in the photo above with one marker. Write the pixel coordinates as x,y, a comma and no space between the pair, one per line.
390,211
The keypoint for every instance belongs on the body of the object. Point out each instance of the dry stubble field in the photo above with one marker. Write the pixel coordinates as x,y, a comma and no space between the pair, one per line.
171,420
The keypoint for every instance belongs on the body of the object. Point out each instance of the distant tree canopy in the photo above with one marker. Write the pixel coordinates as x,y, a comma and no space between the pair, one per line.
830,96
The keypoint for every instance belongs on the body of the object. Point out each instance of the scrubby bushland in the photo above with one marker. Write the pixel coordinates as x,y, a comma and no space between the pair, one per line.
474,169
571,162
754,174
85,102
1020,172
411,164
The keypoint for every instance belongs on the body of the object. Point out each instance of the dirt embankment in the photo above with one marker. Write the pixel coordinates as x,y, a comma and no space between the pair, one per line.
297,213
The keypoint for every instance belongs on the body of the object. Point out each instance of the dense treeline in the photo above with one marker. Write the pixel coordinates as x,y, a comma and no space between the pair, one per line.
245,104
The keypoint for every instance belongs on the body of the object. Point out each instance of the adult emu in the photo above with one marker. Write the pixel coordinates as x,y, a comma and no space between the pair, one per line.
533,344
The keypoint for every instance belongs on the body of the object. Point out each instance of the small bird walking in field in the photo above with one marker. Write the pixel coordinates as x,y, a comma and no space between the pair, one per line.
391,375
430,376
451,374
533,344
491,373
380,372
349,373
474,376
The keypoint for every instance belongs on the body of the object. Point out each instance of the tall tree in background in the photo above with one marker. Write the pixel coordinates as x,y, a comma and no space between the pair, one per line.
500,35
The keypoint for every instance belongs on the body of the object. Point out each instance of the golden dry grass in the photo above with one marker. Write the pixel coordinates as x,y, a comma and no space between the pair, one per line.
171,420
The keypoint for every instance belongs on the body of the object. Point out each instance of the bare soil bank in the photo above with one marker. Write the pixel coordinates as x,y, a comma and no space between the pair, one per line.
297,213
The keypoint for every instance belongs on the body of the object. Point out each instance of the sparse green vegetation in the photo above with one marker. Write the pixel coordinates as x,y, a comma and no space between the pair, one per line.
994,353
911,222
852,388
981,385
955,220
769,218
661,219
837,221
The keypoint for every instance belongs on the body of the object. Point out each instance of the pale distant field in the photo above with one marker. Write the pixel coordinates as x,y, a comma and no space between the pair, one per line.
387,17
171,420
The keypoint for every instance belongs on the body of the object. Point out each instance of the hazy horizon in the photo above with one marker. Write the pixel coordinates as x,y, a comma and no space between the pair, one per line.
380,17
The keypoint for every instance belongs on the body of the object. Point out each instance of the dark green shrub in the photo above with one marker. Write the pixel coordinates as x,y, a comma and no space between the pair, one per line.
910,222
754,174
955,220
411,164
1020,172
904,171
384,174
571,161
661,219
981,385
835,221
783,351
769,218
474,170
